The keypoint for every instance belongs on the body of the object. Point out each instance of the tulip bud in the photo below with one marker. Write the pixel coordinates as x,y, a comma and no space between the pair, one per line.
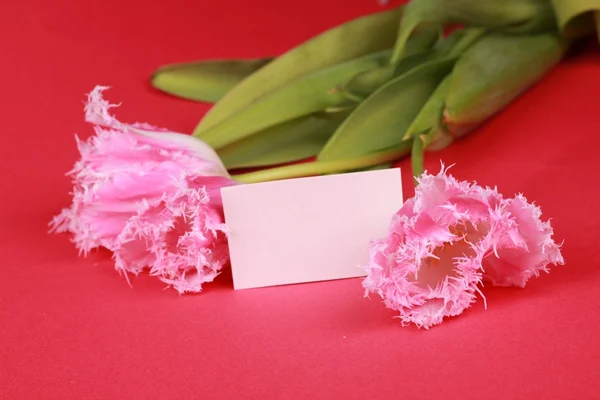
487,77
508,16
493,72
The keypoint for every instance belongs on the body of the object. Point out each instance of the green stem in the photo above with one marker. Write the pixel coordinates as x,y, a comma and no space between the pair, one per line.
418,13
417,157
403,35
325,167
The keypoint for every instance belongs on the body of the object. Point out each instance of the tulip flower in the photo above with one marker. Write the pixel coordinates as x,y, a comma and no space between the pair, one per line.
450,238
151,197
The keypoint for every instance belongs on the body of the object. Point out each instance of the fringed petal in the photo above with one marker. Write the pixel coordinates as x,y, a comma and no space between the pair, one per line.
524,246
185,235
150,196
446,240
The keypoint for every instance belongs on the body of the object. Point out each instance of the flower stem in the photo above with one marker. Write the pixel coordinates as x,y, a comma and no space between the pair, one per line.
417,157
325,167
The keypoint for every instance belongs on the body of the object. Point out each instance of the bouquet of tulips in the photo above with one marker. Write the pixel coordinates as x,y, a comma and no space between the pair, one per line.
407,80
361,95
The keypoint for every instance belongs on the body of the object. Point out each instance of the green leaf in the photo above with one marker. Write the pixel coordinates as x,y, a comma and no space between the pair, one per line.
377,167
356,38
459,41
577,18
326,167
431,113
205,81
493,72
333,110
509,16
383,118
418,13
365,83
311,93
290,141
422,40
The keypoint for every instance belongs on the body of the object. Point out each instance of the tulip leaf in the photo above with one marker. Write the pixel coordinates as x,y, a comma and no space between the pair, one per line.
418,13
510,16
431,113
459,41
383,118
205,81
326,167
418,50
365,83
507,16
290,141
353,39
577,17
422,40
377,167
311,93
343,107
494,71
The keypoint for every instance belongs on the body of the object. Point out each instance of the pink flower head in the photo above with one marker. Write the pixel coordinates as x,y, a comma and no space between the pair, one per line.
448,239
151,197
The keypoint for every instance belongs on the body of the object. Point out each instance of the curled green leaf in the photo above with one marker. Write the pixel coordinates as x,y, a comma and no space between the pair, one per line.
304,96
343,107
205,81
326,167
377,167
493,72
509,16
290,141
353,39
432,112
577,18
365,83
382,119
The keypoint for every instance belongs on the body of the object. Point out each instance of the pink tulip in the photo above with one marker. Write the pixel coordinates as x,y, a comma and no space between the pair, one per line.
447,240
151,197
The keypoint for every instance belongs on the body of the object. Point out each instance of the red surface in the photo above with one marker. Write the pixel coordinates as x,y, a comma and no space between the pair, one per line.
71,328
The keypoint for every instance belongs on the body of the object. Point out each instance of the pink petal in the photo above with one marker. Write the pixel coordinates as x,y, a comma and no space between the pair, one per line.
428,266
97,112
448,238
150,196
524,248
185,235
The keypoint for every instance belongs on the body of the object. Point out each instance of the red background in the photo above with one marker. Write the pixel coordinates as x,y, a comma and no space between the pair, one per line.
71,328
